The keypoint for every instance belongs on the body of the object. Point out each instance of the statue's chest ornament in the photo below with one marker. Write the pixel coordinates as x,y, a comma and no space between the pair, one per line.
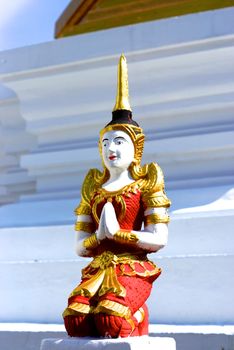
102,196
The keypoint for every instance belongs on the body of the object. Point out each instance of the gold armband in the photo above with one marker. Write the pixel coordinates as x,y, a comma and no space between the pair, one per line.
91,242
156,219
124,236
83,209
84,226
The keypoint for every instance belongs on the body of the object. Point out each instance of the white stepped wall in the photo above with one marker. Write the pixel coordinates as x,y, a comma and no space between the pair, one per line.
181,88
40,265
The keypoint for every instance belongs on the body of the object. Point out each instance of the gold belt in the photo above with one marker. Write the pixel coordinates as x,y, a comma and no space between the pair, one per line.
105,279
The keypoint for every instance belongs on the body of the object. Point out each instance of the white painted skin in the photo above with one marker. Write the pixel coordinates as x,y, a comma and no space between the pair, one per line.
118,153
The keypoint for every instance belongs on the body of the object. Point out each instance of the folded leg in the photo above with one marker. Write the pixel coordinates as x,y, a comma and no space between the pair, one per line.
78,319
124,316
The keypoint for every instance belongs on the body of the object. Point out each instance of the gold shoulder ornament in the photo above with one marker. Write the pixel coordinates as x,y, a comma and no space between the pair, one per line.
93,180
153,195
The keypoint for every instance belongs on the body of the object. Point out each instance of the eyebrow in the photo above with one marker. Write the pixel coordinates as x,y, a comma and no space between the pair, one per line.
117,137
120,137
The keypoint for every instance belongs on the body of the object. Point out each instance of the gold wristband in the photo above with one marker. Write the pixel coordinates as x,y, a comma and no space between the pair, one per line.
124,236
156,219
84,226
91,242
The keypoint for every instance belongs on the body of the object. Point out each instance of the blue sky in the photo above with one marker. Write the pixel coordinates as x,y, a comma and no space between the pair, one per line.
27,22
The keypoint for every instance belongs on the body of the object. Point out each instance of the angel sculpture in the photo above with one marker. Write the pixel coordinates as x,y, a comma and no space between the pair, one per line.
122,217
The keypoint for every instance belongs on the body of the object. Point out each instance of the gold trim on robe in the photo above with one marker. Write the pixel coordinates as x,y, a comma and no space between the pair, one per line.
100,275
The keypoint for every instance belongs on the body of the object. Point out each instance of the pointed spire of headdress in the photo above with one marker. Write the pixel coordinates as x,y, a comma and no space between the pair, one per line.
122,96
122,112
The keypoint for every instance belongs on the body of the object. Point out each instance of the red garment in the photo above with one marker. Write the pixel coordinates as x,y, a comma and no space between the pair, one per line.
127,267
113,326
131,220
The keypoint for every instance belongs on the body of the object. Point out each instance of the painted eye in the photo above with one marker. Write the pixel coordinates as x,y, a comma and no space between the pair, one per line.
105,144
119,142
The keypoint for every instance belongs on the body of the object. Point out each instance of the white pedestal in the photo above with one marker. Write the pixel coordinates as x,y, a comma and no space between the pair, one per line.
133,343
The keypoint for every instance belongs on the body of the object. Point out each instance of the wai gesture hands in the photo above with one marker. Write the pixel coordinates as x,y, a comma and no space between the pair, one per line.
108,224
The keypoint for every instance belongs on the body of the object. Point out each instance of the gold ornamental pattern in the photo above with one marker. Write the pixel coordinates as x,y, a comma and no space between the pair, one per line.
148,179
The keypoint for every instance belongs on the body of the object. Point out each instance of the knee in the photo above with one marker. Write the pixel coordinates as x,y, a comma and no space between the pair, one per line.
75,325
114,326
80,325
113,318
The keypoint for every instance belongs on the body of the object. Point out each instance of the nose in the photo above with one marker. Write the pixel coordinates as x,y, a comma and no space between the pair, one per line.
112,147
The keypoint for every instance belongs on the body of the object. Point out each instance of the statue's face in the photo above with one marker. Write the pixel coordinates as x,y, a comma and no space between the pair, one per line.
117,149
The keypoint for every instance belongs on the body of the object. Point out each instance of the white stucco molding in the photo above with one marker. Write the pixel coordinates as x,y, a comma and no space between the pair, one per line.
181,87
14,141
111,42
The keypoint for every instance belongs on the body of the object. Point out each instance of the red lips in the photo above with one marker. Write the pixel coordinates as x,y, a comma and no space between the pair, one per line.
112,157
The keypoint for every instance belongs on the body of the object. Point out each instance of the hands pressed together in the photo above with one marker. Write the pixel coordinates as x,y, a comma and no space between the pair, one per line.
108,224
151,239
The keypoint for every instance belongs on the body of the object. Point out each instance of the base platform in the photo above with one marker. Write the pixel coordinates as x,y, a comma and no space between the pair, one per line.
132,343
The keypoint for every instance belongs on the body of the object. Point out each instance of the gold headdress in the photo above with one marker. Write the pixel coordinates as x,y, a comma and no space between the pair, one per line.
122,113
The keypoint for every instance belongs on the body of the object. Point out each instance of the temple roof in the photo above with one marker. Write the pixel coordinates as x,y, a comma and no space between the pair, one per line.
82,16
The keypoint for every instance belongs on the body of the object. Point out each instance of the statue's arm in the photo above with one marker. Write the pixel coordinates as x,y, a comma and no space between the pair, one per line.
86,238
153,237
156,218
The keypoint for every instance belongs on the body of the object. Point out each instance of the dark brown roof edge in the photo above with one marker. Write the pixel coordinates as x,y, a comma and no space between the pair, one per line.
73,14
